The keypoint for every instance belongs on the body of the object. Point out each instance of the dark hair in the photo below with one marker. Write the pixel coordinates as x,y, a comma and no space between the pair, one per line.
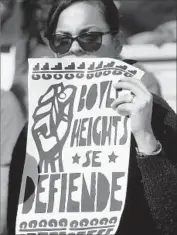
111,14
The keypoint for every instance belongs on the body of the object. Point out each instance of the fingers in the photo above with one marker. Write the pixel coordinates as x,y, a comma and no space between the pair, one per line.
124,109
126,85
121,100
123,105
138,82
132,84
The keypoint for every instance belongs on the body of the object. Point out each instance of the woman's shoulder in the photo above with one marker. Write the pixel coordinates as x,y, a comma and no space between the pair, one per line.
162,108
164,121
163,111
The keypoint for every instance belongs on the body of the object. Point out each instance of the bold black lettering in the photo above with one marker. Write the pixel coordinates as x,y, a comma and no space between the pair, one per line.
96,135
63,193
116,120
82,140
115,204
82,99
88,161
91,97
89,137
103,192
123,139
75,133
52,191
109,100
40,206
96,156
106,130
28,201
73,206
103,89
88,197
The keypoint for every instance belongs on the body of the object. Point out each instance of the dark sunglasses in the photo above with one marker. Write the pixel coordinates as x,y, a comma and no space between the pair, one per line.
90,41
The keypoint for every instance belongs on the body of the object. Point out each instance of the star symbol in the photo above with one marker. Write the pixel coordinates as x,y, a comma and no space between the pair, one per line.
112,157
76,159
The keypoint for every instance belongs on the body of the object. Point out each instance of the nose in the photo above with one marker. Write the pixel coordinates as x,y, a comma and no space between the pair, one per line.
76,49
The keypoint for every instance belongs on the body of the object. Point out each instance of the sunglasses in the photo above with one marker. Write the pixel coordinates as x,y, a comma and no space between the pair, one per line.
90,41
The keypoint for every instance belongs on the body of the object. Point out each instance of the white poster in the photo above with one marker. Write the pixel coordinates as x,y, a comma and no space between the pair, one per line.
76,167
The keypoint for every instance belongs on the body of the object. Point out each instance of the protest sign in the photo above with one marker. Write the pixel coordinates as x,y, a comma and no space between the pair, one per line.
78,148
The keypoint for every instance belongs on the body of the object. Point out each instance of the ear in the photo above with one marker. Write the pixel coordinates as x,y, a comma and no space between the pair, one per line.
118,42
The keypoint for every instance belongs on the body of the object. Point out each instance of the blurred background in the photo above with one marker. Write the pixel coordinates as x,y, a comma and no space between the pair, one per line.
149,28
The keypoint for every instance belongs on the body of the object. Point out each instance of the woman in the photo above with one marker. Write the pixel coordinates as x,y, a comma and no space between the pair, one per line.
152,188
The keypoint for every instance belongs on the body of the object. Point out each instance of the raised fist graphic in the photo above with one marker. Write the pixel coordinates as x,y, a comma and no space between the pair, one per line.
52,122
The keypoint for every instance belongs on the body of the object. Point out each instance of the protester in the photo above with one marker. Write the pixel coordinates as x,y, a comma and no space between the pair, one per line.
31,44
151,206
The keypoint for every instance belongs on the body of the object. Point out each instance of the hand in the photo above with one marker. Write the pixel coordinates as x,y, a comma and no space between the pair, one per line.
139,108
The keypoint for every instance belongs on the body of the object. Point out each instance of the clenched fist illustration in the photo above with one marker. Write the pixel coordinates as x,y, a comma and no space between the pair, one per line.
52,122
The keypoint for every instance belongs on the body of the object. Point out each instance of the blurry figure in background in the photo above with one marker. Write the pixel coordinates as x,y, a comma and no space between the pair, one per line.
8,38
148,21
10,18
11,119
35,15
31,45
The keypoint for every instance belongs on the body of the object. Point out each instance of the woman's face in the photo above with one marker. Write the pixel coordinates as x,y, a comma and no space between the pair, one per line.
83,17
